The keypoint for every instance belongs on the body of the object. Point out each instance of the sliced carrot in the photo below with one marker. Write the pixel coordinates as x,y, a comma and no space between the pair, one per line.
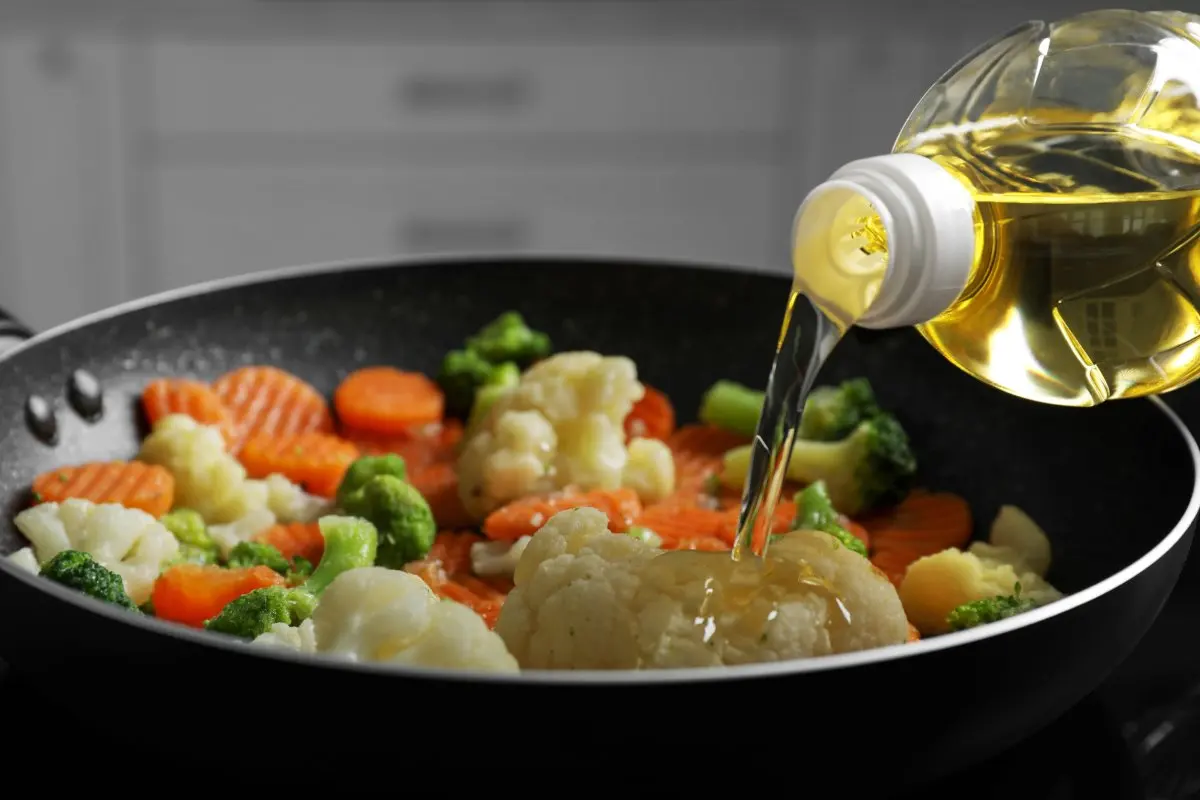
197,400
419,446
268,400
922,524
303,539
316,461
525,516
913,634
191,593
652,417
387,400
675,523
473,593
698,450
453,550
438,484
132,484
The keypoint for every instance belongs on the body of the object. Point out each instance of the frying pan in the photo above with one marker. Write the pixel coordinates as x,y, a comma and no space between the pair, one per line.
1115,487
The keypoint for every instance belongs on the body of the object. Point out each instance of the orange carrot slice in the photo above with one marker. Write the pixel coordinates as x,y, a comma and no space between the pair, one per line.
317,461
922,524
303,539
675,523
438,484
452,549
698,450
388,400
197,400
269,400
652,417
525,516
913,634
132,484
191,594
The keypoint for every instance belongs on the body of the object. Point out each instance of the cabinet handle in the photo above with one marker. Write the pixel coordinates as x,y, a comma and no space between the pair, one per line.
497,93
425,234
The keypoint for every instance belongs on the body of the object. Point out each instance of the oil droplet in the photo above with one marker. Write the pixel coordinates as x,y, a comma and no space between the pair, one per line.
85,394
39,416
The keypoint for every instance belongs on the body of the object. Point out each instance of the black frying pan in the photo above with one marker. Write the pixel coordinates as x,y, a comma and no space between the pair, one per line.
1115,486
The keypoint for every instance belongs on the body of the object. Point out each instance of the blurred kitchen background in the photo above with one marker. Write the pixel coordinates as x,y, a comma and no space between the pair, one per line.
149,145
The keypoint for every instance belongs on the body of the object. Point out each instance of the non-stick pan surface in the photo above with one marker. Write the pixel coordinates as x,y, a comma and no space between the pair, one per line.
1114,486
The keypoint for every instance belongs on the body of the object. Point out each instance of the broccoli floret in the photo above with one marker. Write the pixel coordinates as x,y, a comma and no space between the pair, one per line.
833,412
147,608
508,338
350,543
989,609
258,554
196,546
504,377
873,466
465,373
301,569
77,570
400,514
367,467
815,512
732,407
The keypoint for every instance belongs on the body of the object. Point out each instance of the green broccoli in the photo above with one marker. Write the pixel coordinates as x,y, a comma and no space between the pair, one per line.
815,512
833,412
873,466
367,467
732,407
301,569
77,570
989,609
350,543
147,607
400,514
508,338
503,378
195,544
465,373
644,535
258,554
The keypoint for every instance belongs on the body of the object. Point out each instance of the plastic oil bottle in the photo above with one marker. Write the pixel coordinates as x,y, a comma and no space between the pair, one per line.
1038,221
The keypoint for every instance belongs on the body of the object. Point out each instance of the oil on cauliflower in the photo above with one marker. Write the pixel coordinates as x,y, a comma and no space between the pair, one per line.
379,614
586,598
562,425
1017,551
127,541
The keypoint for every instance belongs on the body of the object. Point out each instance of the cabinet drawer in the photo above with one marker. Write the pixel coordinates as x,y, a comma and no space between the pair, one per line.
418,88
217,222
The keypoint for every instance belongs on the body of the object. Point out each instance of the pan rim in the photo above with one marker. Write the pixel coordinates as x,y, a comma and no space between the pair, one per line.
584,678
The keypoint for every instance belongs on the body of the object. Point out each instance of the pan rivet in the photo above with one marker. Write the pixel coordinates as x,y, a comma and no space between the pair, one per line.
84,393
39,415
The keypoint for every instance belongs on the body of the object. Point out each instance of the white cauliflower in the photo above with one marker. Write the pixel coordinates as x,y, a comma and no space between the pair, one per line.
650,469
498,557
378,614
290,503
26,560
242,529
207,478
301,638
561,425
586,598
1017,552
127,541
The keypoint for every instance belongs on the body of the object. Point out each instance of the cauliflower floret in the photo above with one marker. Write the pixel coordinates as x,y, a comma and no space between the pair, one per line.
498,557
586,598
301,638
242,529
289,503
1018,552
650,470
207,478
26,560
127,541
561,425
378,614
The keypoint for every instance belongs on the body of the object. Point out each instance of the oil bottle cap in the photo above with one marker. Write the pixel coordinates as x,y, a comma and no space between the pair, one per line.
928,218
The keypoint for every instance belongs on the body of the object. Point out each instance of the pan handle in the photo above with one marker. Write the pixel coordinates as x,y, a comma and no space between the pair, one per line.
12,331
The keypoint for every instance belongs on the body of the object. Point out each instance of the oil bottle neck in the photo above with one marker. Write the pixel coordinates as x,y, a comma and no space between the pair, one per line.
927,225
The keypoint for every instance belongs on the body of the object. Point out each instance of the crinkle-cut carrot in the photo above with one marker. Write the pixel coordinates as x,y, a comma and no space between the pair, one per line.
438,484
166,396
387,400
132,484
652,417
191,593
913,634
453,550
674,523
265,399
922,524
480,597
292,539
698,450
316,461
419,446
523,517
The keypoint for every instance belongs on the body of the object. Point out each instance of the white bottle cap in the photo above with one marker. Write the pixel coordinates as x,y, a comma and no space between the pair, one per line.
930,225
